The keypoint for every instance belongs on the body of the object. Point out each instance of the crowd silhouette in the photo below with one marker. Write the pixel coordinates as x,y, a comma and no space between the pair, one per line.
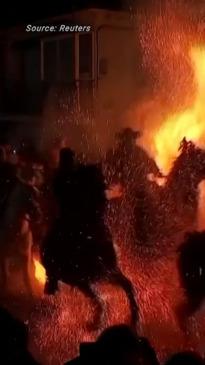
63,209
13,337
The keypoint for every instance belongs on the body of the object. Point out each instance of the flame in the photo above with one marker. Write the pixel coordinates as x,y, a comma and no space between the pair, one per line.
189,124
40,272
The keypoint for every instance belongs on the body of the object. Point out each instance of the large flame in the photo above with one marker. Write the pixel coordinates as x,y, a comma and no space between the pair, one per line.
189,124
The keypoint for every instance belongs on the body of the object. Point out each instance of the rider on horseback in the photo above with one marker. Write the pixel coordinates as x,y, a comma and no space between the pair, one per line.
79,249
127,161
186,145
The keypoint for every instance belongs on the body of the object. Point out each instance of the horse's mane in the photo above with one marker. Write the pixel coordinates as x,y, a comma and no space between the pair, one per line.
176,166
184,161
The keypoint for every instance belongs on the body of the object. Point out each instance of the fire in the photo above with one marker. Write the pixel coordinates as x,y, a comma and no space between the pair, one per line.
40,272
189,124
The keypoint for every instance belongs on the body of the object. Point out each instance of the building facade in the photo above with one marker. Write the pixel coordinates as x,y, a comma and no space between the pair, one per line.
99,64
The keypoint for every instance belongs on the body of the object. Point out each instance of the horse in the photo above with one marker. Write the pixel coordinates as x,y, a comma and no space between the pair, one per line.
191,267
183,182
172,210
79,250
19,209
128,165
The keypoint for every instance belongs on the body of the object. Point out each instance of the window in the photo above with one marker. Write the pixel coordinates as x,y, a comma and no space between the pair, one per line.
50,61
22,89
66,59
32,62
85,56
26,61
59,60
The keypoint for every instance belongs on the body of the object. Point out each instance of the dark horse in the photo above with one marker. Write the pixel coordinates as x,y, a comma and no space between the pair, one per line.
128,165
168,214
191,266
79,249
182,187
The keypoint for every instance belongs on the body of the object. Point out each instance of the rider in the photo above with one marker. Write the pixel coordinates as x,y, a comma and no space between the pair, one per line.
127,162
185,145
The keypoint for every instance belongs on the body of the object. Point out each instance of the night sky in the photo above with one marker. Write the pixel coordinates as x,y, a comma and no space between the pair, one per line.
15,12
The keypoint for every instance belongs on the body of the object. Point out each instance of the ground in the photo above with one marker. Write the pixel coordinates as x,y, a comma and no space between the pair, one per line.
57,324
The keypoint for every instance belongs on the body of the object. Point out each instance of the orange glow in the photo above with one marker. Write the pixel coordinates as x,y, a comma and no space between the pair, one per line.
189,124
115,191
161,181
40,272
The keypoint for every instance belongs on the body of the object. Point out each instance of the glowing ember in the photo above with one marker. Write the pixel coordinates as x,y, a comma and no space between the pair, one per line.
40,272
189,124
161,181
115,191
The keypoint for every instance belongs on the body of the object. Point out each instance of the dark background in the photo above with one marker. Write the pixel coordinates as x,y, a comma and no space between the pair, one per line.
13,12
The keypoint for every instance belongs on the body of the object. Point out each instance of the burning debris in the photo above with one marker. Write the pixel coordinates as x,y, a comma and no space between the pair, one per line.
189,124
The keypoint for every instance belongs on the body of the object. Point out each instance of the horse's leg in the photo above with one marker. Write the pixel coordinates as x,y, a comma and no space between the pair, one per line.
90,292
118,278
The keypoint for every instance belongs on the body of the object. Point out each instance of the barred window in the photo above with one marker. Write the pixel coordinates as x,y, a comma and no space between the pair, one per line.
85,56
67,59
59,60
50,61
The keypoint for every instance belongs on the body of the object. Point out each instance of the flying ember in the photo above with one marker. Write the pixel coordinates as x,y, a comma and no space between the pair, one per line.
189,124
